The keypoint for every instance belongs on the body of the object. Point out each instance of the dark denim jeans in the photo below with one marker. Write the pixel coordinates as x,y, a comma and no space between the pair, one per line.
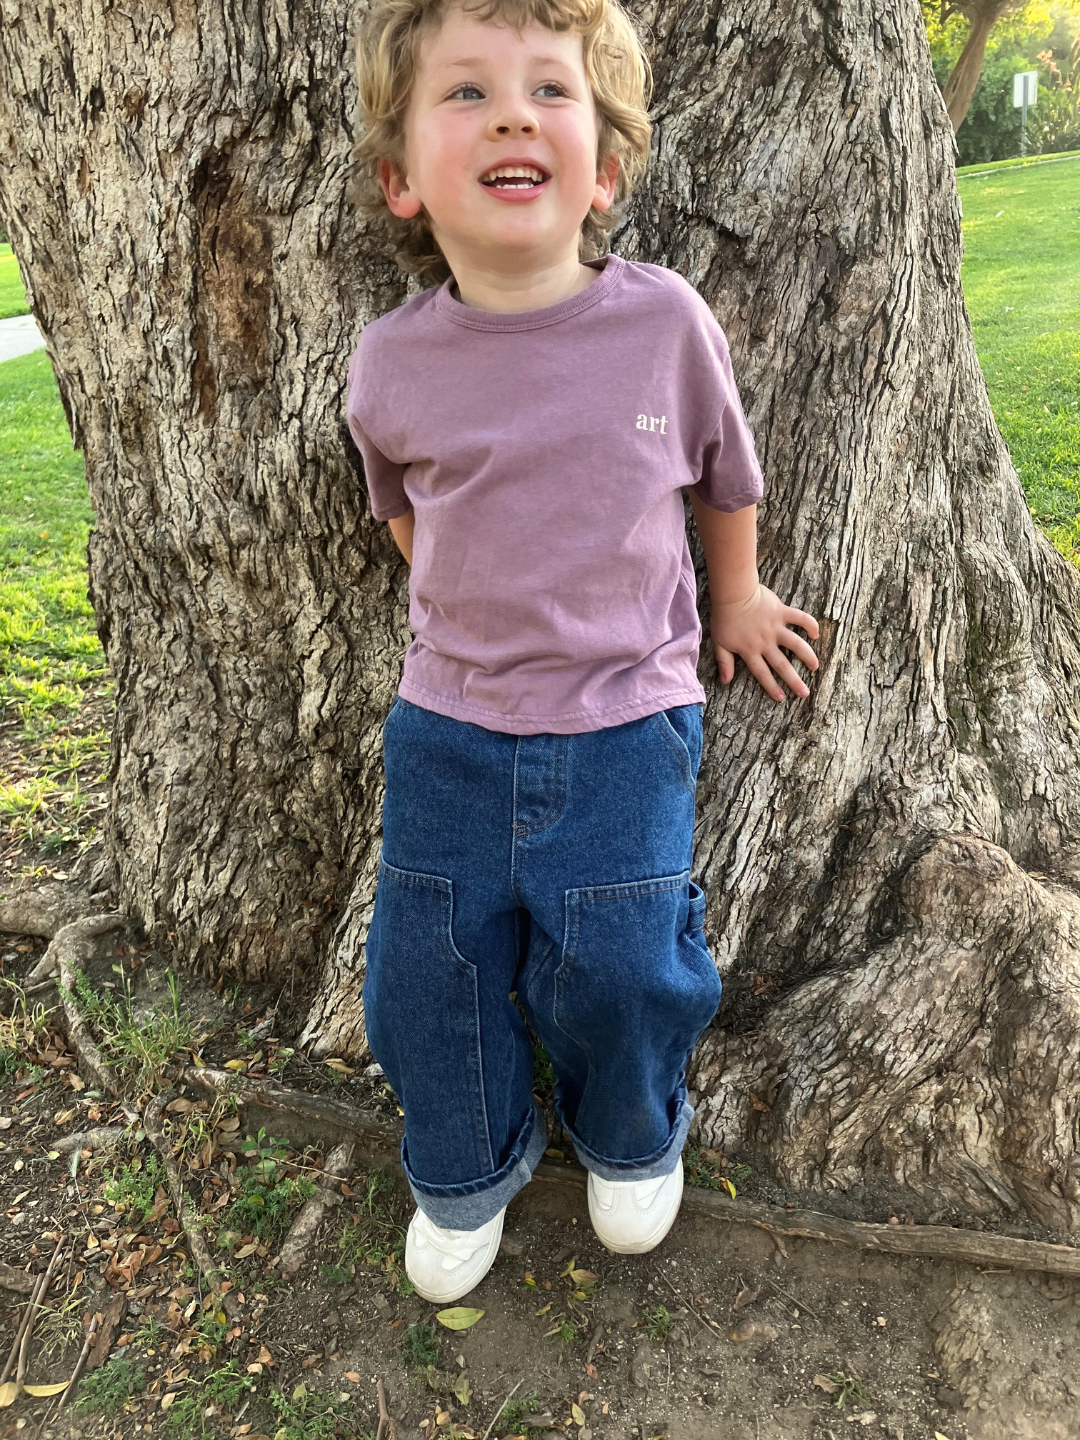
556,866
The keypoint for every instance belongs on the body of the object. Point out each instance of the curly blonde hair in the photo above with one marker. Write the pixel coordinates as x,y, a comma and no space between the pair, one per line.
387,54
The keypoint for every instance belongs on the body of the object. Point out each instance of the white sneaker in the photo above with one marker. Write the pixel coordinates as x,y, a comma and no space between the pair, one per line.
632,1216
446,1264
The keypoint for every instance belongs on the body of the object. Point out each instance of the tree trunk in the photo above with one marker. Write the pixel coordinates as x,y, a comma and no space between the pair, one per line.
892,866
962,82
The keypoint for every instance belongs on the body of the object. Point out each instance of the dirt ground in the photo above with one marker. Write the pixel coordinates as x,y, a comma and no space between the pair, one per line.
825,1343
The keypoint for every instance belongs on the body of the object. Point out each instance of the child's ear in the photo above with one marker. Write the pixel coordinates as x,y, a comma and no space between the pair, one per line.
606,177
400,199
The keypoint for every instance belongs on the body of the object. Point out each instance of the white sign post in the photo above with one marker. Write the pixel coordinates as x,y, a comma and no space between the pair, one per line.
1025,93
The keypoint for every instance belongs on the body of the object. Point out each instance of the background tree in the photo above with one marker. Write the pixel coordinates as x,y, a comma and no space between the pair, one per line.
977,48
892,868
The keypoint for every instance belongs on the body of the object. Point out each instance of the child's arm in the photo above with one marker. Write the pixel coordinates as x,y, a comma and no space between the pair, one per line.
748,619
401,527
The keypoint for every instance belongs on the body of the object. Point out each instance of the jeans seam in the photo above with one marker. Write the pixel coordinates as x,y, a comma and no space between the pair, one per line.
677,745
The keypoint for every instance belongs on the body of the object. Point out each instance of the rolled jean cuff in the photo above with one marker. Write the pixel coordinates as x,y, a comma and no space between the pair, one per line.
474,1203
649,1167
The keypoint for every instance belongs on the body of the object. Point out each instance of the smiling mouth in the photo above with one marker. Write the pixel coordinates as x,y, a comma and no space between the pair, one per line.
513,177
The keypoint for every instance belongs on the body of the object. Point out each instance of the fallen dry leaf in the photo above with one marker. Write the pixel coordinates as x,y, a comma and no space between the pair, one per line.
746,1296
353,1376
824,1383
460,1317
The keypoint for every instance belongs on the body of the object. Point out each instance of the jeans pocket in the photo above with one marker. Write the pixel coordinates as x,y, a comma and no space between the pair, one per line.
636,974
421,1003
681,727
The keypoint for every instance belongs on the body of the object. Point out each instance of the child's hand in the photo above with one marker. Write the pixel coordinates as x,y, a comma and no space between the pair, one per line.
756,629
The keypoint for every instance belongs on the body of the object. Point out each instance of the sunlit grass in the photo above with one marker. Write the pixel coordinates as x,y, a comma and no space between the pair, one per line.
1022,285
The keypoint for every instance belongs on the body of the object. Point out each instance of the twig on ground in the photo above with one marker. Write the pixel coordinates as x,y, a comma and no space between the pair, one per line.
594,1342
502,1407
90,1337
385,1422
200,1251
35,1306
710,1325
799,1304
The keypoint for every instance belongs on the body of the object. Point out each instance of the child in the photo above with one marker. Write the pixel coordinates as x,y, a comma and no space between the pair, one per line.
527,426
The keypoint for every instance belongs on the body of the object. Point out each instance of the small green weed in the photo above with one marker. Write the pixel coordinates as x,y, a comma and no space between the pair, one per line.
137,1046
151,1334
543,1074
228,1384
514,1412
335,1274
374,1238
264,1204
421,1346
307,1414
711,1169
105,1390
131,1186
850,1388
657,1323
60,1326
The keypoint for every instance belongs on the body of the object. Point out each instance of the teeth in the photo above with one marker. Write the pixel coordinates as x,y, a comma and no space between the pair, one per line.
508,172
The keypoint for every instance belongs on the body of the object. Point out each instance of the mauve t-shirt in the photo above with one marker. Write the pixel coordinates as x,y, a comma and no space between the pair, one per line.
544,453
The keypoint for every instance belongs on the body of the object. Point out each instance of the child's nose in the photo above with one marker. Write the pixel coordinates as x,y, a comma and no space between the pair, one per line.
514,118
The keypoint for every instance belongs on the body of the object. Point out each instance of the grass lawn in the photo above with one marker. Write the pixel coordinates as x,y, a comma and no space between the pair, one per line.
1022,285
52,675
12,294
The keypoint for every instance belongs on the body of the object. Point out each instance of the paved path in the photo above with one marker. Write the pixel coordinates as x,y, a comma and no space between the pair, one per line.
19,336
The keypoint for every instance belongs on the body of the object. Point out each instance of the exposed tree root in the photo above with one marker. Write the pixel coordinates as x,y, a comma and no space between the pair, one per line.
200,1251
305,1227
42,910
101,1138
70,945
311,1117
934,1241
311,1114
944,1061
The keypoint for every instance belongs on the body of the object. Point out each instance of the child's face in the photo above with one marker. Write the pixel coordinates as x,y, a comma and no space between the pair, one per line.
484,98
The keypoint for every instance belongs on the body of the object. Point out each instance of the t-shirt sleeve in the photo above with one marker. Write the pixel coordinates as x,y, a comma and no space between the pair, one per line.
384,478
730,473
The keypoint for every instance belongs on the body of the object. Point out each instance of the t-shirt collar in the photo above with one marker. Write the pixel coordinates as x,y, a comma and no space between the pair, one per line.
610,267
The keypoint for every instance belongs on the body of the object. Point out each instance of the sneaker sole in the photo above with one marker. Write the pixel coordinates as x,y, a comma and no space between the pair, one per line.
445,1297
639,1247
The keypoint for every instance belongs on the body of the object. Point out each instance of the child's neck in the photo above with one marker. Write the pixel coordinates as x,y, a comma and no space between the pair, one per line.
507,291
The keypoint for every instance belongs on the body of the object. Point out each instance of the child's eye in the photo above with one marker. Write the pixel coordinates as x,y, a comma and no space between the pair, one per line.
556,89
466,92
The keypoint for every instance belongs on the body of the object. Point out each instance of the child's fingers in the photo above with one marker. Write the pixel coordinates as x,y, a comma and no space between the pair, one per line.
787,672
799,648
759,668
726,661
803,620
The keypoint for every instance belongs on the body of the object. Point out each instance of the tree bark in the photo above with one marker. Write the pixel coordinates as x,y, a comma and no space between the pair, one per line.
964,78
892,867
